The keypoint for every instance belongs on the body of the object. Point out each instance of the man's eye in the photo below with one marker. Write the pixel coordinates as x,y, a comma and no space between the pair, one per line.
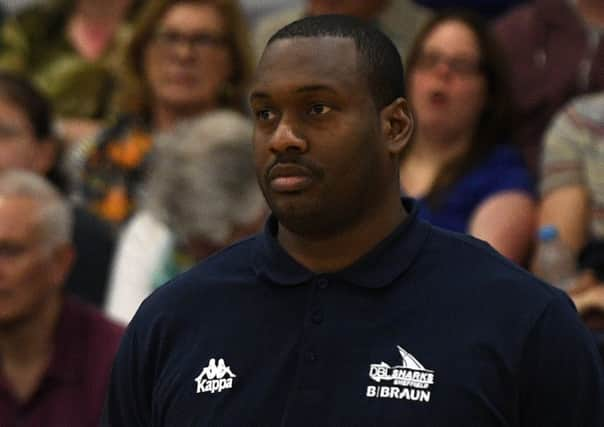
265,115
318,109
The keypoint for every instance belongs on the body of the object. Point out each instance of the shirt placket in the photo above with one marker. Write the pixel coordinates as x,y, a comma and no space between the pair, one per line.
308,394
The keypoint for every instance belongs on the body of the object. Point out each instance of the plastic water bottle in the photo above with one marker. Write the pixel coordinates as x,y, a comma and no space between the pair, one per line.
555,263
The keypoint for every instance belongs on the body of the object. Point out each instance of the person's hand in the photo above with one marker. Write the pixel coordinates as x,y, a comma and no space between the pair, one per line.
587,293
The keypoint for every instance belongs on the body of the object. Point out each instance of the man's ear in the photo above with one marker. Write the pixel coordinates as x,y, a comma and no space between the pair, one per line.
63,260
397,125
46,156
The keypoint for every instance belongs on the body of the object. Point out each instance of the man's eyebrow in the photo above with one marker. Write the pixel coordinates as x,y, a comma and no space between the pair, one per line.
303,89
259,95
315,88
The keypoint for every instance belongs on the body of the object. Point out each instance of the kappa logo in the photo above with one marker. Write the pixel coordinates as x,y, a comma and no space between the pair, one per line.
215,377
410,380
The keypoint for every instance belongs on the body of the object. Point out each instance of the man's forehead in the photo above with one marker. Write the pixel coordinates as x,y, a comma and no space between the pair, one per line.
331,58
18,214
24,208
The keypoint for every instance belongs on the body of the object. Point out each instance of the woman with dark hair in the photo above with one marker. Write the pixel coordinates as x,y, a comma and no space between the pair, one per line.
27,142
185,58
464,176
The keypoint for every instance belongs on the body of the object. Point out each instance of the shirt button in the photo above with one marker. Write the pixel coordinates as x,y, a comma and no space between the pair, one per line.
311,356
322,283
317,317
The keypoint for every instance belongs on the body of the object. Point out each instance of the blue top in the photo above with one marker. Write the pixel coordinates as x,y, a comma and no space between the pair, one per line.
502,170
430,328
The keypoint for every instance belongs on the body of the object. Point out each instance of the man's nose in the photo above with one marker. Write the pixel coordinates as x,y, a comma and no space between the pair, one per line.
286,137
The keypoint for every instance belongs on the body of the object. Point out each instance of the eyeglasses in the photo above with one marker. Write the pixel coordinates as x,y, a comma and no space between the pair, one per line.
460,66
197,42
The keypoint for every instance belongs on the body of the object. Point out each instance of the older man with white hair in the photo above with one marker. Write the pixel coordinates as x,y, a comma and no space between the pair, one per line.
55,352
201,195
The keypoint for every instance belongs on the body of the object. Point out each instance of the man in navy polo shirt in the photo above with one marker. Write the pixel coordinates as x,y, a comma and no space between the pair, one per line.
349,310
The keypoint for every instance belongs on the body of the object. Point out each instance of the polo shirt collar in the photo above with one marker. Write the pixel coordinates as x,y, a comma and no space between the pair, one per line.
376,269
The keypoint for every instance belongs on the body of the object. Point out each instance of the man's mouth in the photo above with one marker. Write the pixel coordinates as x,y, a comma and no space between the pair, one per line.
287,178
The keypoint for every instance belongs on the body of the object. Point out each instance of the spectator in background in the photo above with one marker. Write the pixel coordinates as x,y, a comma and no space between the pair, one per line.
555,51
398,19
200,196
457,165
487,9
55,352
68,49
27,142
185,58
572,191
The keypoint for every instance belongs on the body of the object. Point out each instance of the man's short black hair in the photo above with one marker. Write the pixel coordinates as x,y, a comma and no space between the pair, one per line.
379,58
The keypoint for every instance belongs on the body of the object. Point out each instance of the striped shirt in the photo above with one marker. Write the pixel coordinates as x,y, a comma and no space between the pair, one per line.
574,154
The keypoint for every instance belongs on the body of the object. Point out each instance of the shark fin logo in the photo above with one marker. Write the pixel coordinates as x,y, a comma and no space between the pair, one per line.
409,381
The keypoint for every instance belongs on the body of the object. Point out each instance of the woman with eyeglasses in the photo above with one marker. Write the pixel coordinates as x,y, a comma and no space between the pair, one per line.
185,58
458,166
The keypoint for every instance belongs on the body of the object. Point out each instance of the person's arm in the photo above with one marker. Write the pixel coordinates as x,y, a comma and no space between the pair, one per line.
506,221
587,293
567,208
564,194
561,375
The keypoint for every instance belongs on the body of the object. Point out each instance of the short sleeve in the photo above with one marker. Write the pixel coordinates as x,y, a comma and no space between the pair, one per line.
561,164
561,374
128,400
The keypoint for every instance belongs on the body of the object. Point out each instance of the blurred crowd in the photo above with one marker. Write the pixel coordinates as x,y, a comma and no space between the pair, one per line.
125,157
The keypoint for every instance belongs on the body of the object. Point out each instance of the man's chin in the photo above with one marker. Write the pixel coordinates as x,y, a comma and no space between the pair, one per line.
313,224
296,217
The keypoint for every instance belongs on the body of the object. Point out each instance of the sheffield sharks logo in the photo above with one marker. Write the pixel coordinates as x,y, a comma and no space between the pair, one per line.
410,380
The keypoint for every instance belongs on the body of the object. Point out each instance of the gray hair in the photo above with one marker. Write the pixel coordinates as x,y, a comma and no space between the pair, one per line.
55,215
202,181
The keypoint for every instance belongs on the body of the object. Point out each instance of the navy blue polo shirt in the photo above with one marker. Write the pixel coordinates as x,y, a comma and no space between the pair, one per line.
430,328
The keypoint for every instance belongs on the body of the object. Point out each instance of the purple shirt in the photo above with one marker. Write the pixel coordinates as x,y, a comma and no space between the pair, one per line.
72,391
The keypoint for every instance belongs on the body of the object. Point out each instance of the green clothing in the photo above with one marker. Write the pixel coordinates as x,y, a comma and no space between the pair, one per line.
34,43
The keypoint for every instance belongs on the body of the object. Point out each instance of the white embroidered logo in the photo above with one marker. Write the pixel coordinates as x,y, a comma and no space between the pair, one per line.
410,380
212,377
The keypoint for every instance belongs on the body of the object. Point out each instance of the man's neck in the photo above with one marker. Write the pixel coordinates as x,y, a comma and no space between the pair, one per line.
338,251
26,348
